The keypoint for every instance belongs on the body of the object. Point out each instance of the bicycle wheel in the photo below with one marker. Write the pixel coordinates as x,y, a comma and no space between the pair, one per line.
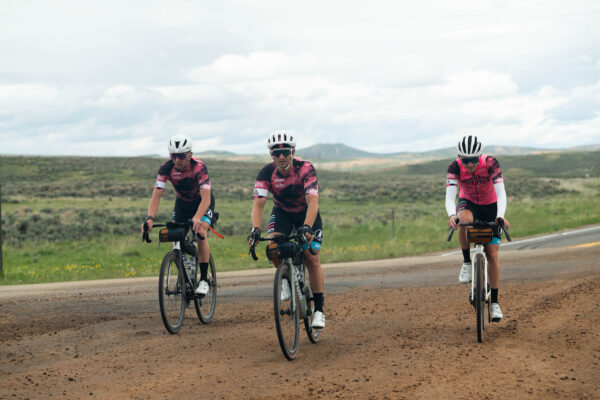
205,305
480,295
170,293
286,314
313,334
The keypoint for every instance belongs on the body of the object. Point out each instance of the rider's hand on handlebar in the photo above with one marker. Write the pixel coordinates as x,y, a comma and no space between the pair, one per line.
196,223
149,223
506,223
452,222
307,231
254,235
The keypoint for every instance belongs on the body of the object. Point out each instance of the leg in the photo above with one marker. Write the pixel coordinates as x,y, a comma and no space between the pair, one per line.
465,271
315,272
491,251
203,258
464,216
203,247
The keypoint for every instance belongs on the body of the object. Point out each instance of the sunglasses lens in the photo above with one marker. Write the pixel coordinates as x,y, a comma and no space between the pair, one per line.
470,160
179,156
278,153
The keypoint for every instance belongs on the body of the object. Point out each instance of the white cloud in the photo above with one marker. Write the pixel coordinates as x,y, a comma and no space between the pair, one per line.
383,75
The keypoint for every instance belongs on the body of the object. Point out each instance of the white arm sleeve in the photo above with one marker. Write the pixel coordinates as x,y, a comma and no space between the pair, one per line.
501,195
450,199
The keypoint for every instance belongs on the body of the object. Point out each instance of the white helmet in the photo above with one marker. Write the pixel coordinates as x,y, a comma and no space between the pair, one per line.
469,146
280,139
180,144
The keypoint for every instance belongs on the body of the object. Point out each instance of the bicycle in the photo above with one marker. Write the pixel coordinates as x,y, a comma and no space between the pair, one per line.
480,233
285,252
180,274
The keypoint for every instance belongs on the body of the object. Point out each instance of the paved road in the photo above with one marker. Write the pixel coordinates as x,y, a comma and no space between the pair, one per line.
545,257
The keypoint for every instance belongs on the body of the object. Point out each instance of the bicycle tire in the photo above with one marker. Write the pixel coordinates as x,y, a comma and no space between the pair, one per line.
205,305
171,296
286,314
480,295
489,305
313,334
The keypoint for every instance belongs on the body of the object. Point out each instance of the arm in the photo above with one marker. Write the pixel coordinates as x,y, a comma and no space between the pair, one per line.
501,195
451,200
451,191
153,206
258,206
204,204
313,208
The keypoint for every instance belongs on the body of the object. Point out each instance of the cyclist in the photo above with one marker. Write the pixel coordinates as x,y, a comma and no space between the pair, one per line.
482,196
293,183
194,199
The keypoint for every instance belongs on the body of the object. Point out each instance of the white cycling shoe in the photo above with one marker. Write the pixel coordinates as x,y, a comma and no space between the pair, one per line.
286,293
465,273
202,288
496,313
318,321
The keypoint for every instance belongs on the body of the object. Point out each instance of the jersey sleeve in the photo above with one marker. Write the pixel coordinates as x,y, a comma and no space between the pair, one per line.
163,175
453,174
493,167
311,185
203,180
263,182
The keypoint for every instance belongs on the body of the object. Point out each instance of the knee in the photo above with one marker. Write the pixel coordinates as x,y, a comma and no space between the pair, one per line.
311,260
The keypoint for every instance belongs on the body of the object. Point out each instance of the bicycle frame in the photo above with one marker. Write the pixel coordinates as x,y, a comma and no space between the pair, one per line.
480,234
184,287
298,297
291,267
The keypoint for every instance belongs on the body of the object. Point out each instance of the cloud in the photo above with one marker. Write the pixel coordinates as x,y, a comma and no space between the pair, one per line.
123,77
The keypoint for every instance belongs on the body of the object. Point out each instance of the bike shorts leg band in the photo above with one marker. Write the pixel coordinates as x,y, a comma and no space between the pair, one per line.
495,241
206,219
314,245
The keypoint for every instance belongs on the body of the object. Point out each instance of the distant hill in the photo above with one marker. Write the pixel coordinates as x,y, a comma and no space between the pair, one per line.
338,156
339,151
342,152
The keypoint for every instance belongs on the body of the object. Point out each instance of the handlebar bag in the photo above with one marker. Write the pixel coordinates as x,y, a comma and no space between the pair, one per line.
171,234
480,235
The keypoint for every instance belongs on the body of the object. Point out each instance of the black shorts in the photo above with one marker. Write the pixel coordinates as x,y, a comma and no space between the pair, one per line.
283,222
185,210
484,213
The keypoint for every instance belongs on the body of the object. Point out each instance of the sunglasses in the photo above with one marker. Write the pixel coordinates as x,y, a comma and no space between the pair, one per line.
277,153
470,160
178,156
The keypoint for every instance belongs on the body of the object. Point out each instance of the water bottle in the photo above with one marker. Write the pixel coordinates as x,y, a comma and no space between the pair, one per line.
188,264
299,282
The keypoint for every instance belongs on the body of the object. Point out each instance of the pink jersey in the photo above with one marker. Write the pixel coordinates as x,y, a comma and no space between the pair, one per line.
477,187
187,183
289,192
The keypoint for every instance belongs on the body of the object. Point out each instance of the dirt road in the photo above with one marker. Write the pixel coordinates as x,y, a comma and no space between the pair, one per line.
395,329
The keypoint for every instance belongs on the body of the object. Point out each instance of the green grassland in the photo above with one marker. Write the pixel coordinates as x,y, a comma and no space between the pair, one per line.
74,218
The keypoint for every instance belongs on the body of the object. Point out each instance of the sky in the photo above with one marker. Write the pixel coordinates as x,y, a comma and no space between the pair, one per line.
119,78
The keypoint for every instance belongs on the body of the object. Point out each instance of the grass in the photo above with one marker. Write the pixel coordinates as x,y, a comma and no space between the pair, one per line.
77,218
352,232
